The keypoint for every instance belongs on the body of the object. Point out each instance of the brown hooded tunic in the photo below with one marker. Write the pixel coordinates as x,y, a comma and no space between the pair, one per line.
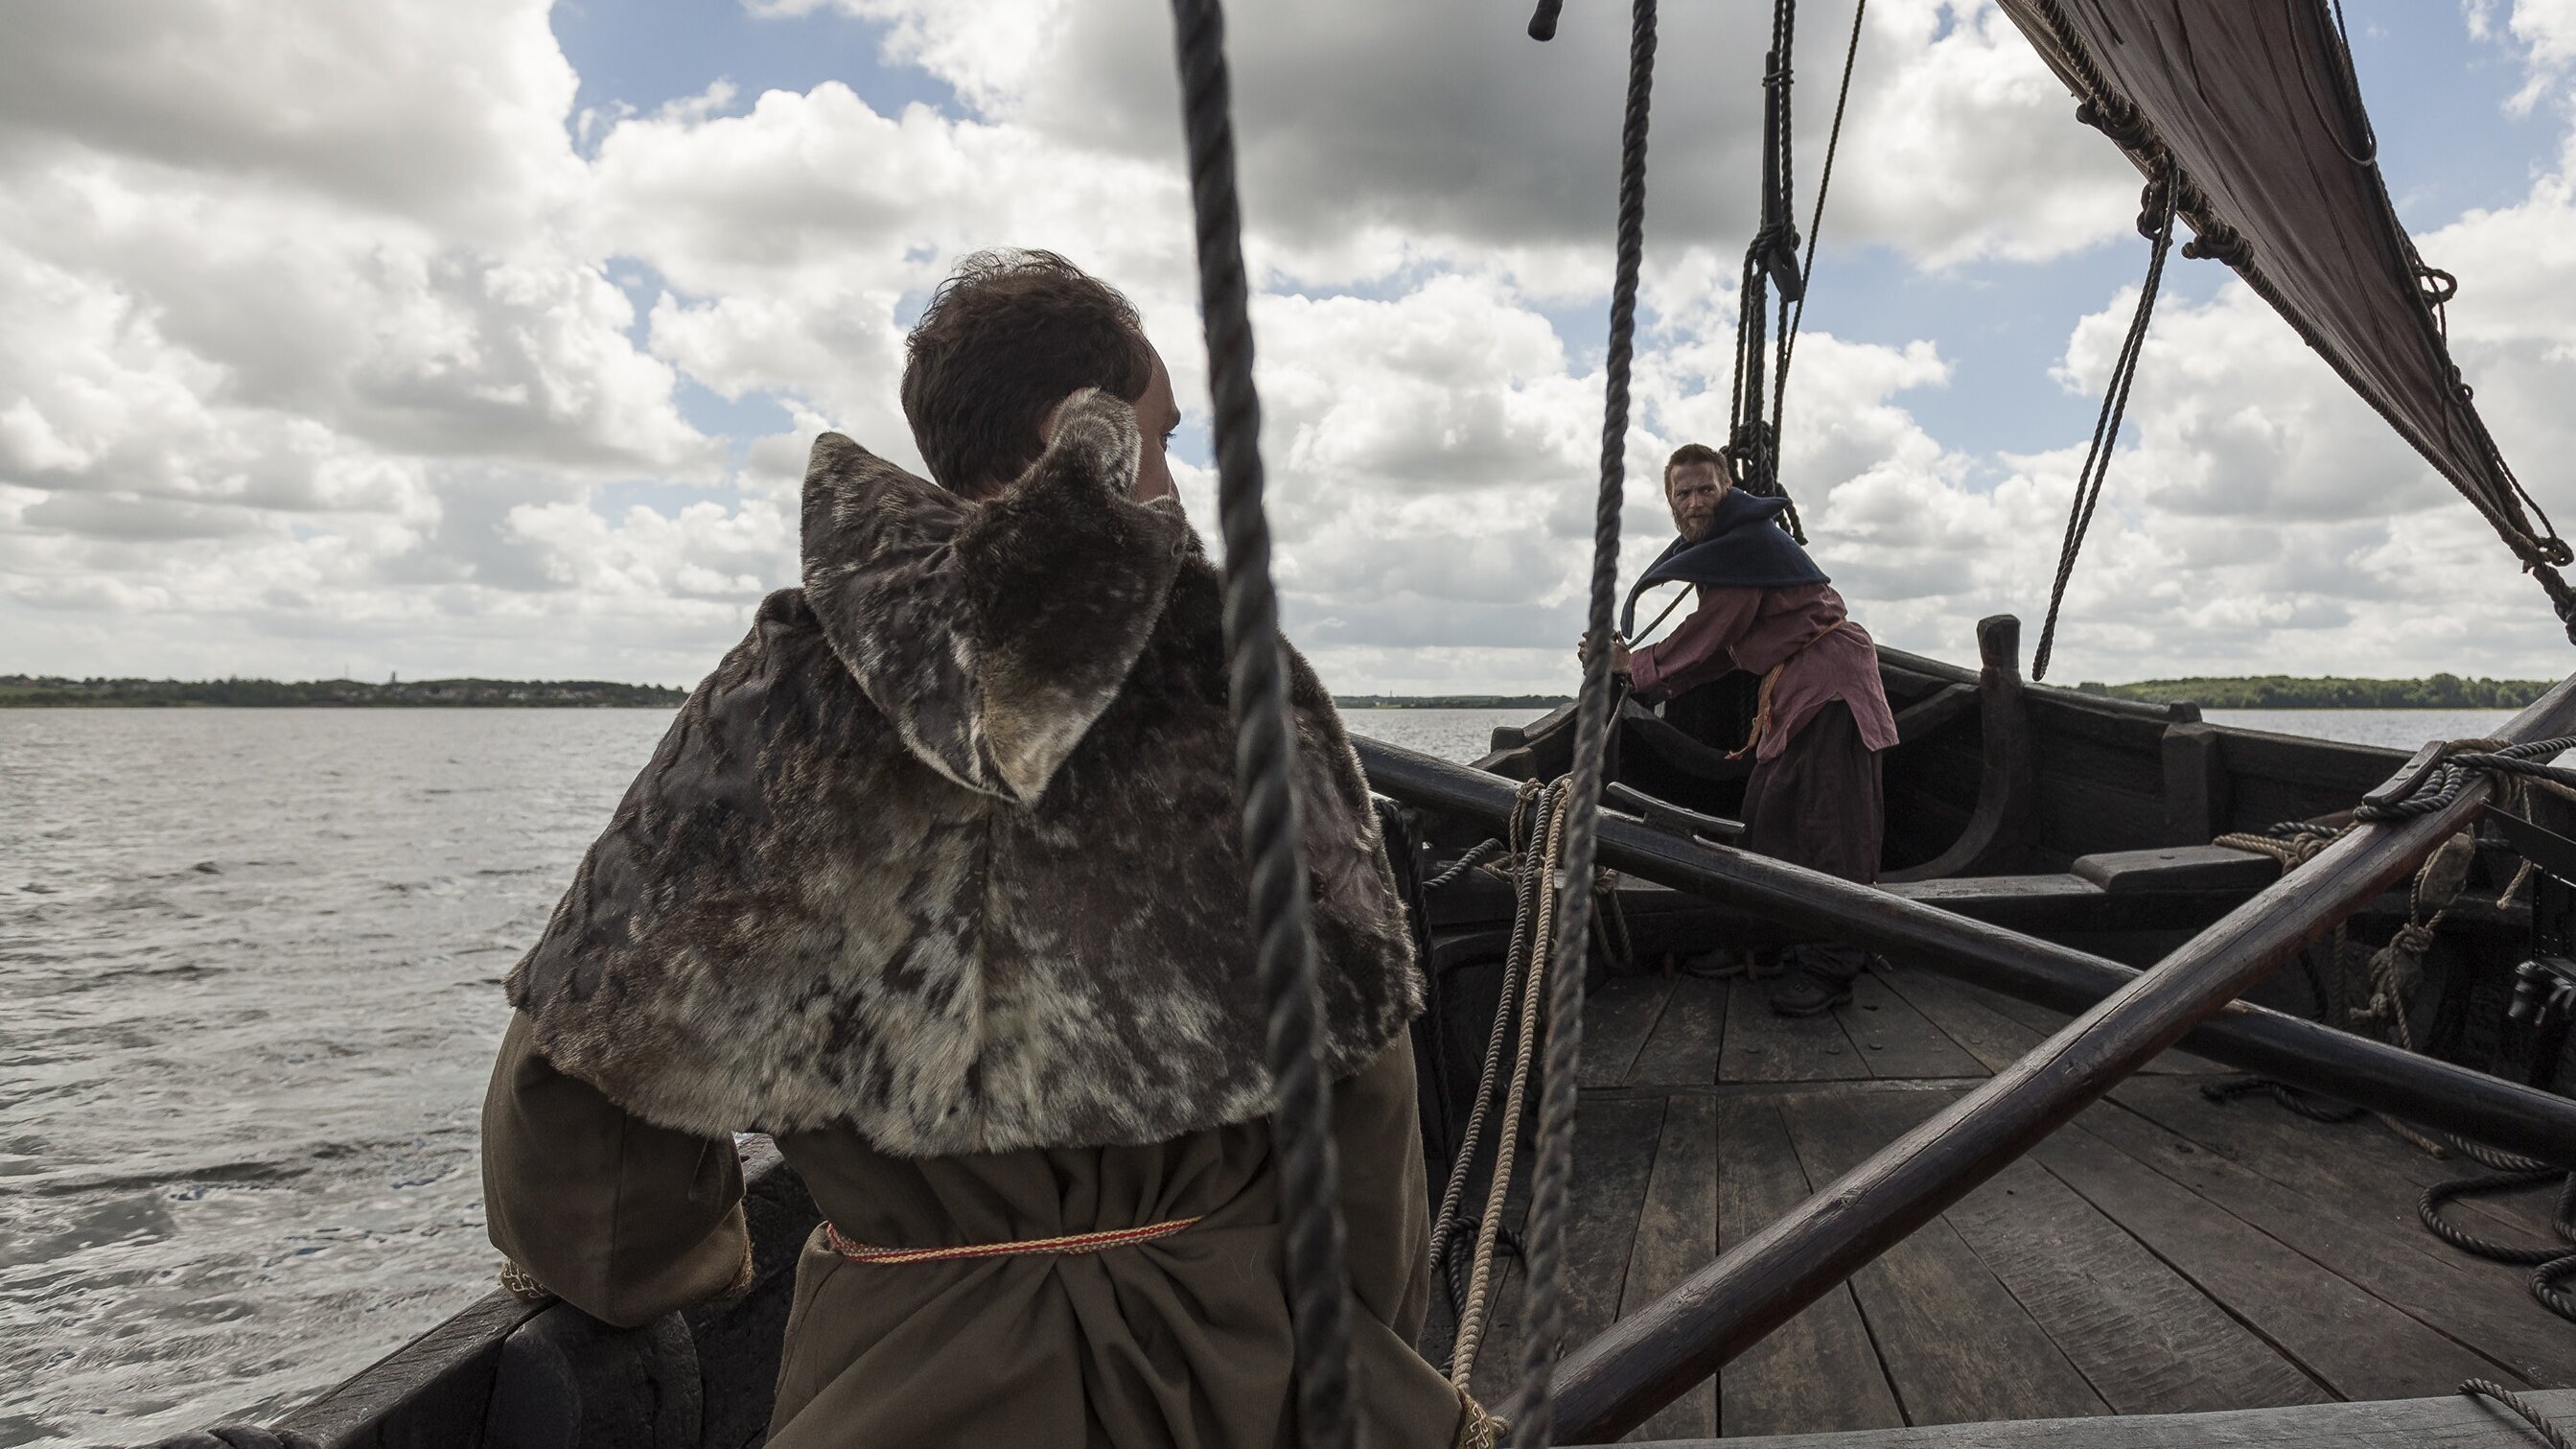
935,880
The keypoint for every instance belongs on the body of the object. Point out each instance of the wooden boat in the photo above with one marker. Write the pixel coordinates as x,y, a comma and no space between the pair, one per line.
2168,1254
1991,1190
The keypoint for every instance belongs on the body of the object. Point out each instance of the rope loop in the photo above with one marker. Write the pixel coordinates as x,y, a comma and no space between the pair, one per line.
2116,117
2528,1411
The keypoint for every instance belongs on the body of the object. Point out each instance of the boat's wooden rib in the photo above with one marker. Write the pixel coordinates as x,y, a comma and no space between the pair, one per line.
2004,823
2450,1422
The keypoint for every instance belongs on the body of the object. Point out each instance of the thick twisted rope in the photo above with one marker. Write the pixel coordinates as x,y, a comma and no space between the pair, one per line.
2522,1407
1475,855
2551,1263
1525,906
1265,755
2528,761
1816,226
1534,1425
2157,221
1472,1317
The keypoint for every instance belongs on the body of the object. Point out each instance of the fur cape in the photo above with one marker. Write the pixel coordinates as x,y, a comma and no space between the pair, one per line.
947,849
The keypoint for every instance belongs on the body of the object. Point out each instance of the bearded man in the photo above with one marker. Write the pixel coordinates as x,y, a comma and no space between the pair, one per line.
1815,798
935,880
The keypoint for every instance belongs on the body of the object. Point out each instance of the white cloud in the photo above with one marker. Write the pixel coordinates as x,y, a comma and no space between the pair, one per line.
327,342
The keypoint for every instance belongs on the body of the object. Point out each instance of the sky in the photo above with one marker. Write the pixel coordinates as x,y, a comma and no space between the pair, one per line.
489,337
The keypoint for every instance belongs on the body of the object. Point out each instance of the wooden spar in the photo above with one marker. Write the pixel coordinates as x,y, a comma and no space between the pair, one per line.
1612,1384
2336,1064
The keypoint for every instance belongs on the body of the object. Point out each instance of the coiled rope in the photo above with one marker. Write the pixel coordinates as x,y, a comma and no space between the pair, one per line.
1264,755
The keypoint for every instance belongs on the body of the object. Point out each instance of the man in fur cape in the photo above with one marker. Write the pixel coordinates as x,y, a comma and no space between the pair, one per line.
936,880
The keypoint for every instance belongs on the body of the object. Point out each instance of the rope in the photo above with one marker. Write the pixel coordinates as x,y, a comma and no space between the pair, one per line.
1543,1319
2551,1262
1476,855
2465,759
2530,1412
1069,1243
1265,754
1524,841
2115,406
1753,441
1471,1319
1816,226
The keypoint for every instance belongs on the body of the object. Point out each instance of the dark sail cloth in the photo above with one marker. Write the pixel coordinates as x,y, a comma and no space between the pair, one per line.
933,880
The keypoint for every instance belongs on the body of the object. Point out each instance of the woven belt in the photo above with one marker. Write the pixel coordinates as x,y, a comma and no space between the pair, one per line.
858,1252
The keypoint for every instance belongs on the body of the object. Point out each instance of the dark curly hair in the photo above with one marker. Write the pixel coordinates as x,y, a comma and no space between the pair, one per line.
1690,453
1002,341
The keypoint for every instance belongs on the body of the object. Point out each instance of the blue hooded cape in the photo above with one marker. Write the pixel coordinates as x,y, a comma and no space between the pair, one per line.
1744,548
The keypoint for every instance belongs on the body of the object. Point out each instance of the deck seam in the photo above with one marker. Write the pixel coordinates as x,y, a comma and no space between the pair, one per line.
2287,1355
2037,1321
2513,1371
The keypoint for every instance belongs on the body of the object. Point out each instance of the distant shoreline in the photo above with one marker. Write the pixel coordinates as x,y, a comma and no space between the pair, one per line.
2276,692
19,691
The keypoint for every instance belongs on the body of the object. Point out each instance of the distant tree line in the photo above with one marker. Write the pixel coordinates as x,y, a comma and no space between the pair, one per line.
2281,691
40,691
1451,701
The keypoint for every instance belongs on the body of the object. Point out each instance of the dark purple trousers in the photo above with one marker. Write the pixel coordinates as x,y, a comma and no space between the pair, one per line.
1822,805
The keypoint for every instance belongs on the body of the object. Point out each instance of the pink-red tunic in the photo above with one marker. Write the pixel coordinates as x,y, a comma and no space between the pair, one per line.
1755,629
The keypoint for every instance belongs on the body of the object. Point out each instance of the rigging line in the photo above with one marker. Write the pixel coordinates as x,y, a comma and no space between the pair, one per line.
1816,225
1265,756
1533,1425
2115,406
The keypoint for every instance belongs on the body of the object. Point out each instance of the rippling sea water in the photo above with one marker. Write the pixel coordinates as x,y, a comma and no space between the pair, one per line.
250,962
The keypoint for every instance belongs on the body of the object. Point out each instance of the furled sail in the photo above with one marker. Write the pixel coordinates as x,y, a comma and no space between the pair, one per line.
2250,110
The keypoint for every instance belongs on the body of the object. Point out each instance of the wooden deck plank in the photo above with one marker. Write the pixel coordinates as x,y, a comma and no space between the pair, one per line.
2482,1304
2146,1338
1958,1348
1614,1154
2451,1422
1819,1370
2355,1162
1764,1046
1995,1040
1617,1021
1677,1236
1684,1047
2357,1345
1897,1041
1998,1030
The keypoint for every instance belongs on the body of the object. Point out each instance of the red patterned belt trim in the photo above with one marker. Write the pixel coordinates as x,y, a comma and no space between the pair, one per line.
1072,1243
